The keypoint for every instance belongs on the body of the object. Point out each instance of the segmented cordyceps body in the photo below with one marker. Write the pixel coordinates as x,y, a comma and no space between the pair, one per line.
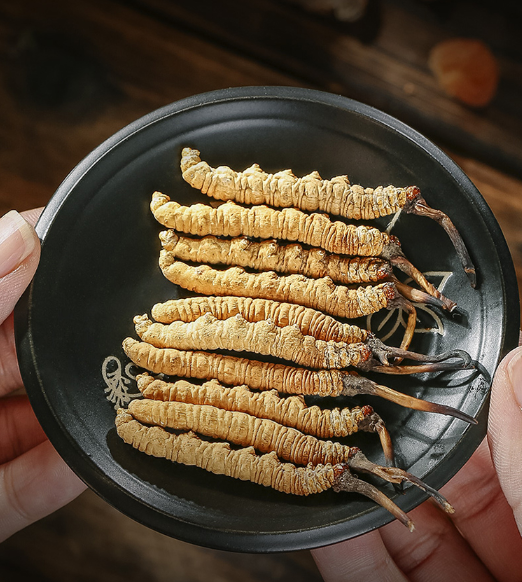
290,411
269,376
267,436
320,294
310,321
283,189
269,255
316,230
241,429
262,337
336,196
246,465
219,458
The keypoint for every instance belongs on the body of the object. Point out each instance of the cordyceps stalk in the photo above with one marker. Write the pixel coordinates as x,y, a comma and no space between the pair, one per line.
415,204
311,193
271,376
268,436
316,230
244,464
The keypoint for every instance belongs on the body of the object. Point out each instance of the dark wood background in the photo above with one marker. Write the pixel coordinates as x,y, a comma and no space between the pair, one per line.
73,73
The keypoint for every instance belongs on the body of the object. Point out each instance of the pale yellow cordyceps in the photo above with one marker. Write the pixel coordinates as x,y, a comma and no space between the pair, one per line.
320,294
314,263
310,321
269,255
244,464
262,337
270,376
284,189
336,196
290,411
267,436
242,429
316,230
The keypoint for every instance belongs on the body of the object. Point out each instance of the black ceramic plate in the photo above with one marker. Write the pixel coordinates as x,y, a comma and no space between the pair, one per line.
99,269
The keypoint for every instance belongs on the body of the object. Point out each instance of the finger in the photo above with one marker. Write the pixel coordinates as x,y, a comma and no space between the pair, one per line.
19,256
10,378
362,559
33,486
484,518
17,239
32,215
19,428
436,551
505,429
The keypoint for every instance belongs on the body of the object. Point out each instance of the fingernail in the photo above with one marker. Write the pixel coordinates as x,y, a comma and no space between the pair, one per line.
17,241
514,371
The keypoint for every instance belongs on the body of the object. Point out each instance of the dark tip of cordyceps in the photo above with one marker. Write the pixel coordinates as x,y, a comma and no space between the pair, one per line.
433,363
346,481
424,405
417,205
359,462
401,262
386,442
418,296
354,384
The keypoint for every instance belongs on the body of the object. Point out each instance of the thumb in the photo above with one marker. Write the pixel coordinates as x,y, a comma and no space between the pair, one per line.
505,429
19,256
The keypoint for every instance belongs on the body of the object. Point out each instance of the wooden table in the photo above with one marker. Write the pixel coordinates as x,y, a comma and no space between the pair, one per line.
73,73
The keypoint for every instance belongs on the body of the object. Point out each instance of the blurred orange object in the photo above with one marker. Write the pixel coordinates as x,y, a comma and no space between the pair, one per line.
466,69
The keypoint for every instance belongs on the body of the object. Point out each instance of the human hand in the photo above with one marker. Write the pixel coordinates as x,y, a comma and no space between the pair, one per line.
34,480
481,542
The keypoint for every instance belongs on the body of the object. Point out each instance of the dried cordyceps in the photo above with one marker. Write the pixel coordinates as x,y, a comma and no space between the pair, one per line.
271,376
244,464
269,255
284,342
267,436
262,337
321,294
316,230
242,429
290,411
336,196
309,321
283,317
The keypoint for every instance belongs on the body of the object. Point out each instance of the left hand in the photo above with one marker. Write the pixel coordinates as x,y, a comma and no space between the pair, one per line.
34,480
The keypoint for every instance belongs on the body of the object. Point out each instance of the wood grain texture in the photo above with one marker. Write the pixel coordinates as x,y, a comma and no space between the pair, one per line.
89,540
73,73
